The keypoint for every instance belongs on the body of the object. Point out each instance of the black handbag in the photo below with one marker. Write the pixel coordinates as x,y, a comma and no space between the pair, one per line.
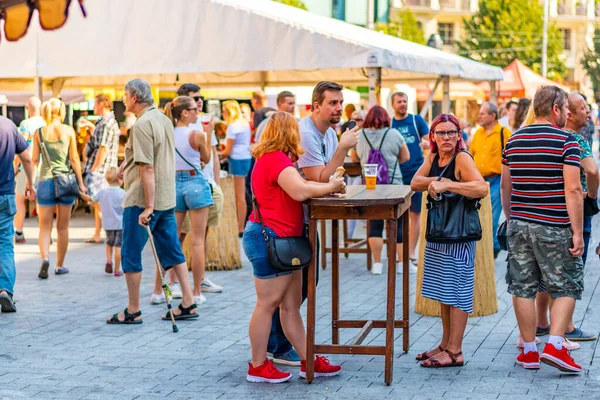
501,235
452,218
285,253
65,183
590,206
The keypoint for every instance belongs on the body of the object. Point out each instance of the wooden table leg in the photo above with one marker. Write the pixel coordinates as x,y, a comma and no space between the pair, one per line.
345,237
311,303
323,244
405,278
369,253
392,229
335,280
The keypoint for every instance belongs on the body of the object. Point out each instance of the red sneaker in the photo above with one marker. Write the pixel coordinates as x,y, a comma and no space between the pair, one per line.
322,368
267,373
530,360
560,359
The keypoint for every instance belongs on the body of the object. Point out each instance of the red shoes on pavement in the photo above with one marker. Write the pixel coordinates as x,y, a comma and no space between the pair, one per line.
322,368
530,360
560,359
268,372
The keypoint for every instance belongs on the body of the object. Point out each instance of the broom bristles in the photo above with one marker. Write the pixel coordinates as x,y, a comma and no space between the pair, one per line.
485,301
222,243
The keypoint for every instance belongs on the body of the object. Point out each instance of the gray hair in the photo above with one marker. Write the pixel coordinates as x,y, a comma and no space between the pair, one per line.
493,109
141,89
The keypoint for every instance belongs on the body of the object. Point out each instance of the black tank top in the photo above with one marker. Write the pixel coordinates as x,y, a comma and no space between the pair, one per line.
436,170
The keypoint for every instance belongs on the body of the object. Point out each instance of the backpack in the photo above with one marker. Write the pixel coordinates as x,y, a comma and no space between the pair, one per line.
376,157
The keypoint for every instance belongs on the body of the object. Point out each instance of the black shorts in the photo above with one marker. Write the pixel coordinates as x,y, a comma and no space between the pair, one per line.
114,238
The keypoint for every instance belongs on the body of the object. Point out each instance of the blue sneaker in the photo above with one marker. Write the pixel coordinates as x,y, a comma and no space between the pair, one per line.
290,358
577,335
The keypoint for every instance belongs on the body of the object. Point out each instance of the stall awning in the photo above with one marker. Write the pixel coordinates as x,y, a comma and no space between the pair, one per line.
223,43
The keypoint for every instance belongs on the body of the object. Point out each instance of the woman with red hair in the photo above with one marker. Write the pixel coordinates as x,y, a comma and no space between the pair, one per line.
449,268
377,135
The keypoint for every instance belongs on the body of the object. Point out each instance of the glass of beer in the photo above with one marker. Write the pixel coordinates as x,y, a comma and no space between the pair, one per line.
370,172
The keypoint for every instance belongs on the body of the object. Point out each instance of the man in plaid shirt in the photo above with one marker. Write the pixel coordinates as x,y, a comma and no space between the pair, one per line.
101,152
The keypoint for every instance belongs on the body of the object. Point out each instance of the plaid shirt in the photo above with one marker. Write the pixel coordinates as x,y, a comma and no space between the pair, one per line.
105,134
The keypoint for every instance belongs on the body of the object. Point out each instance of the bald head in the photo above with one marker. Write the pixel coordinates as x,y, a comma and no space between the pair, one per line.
33,106
578,112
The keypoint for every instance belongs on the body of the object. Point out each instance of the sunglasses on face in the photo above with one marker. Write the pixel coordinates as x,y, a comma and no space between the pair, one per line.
451,134
192,109
197,98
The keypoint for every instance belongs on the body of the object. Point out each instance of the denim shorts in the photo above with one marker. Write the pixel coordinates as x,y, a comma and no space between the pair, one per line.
255,248
164,229
239,167
45,195
417,197
192,192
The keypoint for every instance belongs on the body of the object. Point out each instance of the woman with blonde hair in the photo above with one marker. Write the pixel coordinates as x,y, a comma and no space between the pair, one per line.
279,191
193,192
237,148
61,144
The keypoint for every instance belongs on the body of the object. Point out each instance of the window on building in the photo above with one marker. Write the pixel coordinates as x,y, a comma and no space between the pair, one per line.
338,9
446,31
566,38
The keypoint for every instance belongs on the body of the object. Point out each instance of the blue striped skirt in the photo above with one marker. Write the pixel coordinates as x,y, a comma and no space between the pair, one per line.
449,274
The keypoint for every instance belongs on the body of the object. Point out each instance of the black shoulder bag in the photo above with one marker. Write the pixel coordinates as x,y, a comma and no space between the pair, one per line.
65,183
285,253
452,218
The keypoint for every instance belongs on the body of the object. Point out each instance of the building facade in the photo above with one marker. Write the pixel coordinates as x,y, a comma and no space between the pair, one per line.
574,18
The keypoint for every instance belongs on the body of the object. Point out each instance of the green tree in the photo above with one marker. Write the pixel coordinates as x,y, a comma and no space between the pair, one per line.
501,31
294,3
591,64
407,27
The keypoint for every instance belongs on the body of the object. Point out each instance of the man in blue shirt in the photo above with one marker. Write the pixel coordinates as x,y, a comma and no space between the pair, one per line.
415,131
11,144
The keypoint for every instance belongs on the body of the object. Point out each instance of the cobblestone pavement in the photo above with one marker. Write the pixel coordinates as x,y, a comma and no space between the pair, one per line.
58,346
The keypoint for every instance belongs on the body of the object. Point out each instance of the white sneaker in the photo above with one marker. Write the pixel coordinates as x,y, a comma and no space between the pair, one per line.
158,298
567,344
210,287
399,267
521,342
176,290
199,299
412,268
377,268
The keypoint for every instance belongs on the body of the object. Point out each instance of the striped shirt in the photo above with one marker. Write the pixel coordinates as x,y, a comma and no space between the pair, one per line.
536,155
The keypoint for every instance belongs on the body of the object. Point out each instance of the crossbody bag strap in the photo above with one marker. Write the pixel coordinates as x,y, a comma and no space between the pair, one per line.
186,161
46,156
449,164
255,202
415,125
502,138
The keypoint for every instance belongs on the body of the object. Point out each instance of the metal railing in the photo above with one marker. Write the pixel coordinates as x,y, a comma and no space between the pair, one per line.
416,3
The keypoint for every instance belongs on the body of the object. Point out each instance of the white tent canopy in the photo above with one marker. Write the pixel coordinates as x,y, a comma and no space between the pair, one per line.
220,43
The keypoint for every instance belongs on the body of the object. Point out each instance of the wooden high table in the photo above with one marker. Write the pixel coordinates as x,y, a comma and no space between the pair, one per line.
386,202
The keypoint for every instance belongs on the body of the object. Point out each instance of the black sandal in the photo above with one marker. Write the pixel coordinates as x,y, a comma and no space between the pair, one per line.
129,319
434,363
186,313
425,356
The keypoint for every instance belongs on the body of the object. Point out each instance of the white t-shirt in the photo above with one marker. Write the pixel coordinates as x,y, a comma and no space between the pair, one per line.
208,171
111,204
505,122
240,132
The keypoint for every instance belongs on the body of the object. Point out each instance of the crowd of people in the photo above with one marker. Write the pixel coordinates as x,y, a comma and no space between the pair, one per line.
535,162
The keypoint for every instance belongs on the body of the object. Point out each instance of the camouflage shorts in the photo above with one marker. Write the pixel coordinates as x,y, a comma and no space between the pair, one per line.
540,254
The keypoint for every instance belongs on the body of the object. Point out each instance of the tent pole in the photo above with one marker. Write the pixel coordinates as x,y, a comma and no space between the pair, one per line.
493,92
446,98
374,74
39,87
430,98
263,80
57,85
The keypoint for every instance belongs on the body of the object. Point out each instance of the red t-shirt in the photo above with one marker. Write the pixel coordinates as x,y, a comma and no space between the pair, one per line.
279,211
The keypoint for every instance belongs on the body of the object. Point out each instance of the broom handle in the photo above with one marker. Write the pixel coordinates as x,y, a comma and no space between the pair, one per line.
160,272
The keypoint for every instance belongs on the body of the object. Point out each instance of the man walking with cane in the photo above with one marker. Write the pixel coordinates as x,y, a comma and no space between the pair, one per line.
149,175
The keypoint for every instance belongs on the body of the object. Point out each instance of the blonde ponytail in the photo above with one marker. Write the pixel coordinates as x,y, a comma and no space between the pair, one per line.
175,108
53,109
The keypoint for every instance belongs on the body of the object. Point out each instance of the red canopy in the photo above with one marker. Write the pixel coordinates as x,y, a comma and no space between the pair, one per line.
520,81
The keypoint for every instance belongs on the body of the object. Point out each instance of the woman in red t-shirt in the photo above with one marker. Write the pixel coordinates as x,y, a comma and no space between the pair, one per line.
279,191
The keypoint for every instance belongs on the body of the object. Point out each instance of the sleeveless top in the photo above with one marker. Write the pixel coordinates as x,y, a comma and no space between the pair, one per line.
183,146
436,170
59,157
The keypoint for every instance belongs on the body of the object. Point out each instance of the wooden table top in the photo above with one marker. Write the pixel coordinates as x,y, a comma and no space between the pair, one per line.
358,195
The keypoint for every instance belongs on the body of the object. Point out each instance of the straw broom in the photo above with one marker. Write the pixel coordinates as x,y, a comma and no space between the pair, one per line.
485,301
222,243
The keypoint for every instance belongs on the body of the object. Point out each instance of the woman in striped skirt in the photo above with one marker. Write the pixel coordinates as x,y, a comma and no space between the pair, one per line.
449,269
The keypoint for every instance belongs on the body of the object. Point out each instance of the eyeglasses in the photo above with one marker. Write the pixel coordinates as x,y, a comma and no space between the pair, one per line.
197,98
451,134
357,119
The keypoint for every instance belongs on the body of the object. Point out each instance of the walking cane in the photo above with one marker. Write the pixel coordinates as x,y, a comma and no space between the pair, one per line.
165,286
